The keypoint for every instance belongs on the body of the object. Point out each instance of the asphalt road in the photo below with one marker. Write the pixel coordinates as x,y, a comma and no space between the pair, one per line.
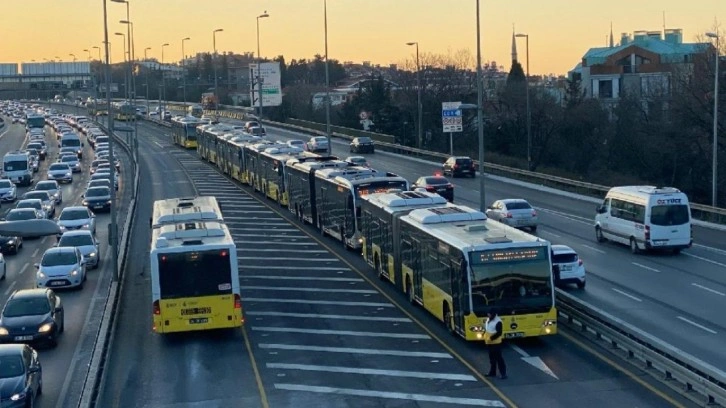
320,330
678,298
64,367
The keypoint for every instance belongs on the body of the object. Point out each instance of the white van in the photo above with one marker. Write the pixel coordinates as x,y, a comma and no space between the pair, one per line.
71,139
645,218
17,168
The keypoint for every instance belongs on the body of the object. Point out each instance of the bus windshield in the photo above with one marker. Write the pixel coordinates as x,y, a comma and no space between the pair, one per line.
381,186
511,278
193,274
190,132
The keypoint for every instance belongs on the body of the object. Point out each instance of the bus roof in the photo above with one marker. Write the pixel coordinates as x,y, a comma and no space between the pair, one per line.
176,210
644,191
316,162
347,173
467,229
191,235
405,200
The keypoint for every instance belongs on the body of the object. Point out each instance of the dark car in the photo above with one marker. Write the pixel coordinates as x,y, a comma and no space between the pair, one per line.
97,198
32,316
21,376
460,166
362,144
436,184
10,245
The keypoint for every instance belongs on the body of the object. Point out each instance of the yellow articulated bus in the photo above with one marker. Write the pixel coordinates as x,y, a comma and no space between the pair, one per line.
300,183
184,132
458,265
231,157
194,269
272,169
251,153
208,141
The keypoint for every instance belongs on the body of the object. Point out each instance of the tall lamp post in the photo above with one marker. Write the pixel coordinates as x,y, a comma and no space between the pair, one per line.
529,112
163,81
259,76
418,96
126,75
112,233
480,111
146,58
132,59
714,175
89,53
184,72
214,64
327,80
73,56
129,34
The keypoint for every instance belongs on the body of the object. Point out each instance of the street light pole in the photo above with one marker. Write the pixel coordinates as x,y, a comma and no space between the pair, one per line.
163,83
714,174
418,96
529,112
146,60
112,233
480,112
126,74
259,79
184,72
214,65
327,81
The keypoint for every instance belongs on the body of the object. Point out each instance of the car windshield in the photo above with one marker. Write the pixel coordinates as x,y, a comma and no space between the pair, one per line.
567,257
46,186
99,183
436,180
40,195
20,215
70,215
5,184
518,205
58,167
69,159
58,259
26,306
97,192
30,204
75,240
11,366
364,140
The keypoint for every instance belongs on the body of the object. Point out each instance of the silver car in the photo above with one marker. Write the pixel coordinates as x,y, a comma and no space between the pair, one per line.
72,161
33,203
85,242
46,198
52,187
60,172
515,212
8,191
61,268
75,218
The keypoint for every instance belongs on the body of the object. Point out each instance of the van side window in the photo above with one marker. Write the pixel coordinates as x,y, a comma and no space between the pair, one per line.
628,211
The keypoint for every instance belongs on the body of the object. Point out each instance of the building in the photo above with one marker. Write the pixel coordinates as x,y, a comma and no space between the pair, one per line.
44,79
641,66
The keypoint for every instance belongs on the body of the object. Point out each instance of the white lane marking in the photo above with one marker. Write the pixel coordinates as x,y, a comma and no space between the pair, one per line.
305,278
390,395
267,258
571,217
288,330
297,268
3,133
704,259
691,322
10,287
550,233
160,145
287,251
519,350
334,317
44,240
348,350
275,243
22,270
708,289
317,290
318,302
535,362
591,248
35,253
645,267
627,294
712,249
372,371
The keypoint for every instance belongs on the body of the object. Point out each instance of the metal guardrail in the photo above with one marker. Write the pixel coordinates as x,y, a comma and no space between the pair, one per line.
699,381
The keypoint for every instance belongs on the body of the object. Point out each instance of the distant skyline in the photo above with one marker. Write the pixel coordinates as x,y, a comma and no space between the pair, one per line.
358,30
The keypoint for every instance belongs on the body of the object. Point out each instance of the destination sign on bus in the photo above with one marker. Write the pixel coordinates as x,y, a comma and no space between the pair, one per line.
508,255
669,201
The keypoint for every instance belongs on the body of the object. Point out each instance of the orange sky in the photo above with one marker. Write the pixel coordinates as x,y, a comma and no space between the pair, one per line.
358,30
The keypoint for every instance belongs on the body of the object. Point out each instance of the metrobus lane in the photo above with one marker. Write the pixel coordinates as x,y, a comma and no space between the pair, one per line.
324,332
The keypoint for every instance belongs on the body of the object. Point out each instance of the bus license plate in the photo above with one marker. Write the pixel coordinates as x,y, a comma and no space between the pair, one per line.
513,335
199,320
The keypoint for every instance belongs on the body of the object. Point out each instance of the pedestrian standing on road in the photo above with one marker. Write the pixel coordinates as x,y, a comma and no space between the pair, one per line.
493,338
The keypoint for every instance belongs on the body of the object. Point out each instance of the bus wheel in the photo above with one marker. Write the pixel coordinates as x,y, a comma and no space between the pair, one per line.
377,262
448,318
409,292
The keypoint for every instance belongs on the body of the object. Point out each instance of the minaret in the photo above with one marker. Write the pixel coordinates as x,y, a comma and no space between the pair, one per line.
514,46
612,42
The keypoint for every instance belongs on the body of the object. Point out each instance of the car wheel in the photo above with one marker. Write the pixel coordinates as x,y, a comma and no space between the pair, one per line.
598,235
5,271
581,285
62,325
40,386
533,228
634,246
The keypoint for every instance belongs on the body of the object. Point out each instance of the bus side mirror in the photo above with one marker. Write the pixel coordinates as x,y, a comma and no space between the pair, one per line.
601,209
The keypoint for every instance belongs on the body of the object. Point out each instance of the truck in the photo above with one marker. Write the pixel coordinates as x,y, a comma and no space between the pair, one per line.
209,101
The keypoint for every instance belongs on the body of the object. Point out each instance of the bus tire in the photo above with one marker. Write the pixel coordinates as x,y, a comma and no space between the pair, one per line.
409,292
379,270
448,319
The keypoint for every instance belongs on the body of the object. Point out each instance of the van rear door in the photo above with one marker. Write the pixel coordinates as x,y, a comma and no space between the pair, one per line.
670,220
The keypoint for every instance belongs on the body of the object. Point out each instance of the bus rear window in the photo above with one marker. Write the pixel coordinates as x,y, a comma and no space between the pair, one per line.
665,215
191,274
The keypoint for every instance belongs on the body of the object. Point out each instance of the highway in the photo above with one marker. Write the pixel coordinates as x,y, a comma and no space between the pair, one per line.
64,367
321,330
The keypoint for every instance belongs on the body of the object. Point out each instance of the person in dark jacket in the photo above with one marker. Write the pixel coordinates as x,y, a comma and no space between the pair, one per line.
493,337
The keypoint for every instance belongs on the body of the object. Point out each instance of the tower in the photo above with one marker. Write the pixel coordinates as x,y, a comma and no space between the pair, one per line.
514,46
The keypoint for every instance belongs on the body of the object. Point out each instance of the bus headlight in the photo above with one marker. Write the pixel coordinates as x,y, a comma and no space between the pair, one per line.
548,325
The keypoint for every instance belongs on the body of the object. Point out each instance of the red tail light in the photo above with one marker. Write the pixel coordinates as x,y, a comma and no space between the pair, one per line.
449,187
456,166
237,302
534,213
509,215
579,262
155,307
647,232
429,188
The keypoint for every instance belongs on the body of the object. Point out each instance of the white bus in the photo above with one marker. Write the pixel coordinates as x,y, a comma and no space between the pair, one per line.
186,209
645,218
16,167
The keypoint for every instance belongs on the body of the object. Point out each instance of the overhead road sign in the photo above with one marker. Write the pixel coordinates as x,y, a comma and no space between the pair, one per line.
451,117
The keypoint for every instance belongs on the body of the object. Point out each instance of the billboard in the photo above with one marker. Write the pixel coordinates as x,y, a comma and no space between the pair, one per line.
8,69
266,75
56,68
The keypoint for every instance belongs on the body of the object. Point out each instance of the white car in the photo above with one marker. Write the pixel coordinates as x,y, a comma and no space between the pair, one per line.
72,162
297,143
3,266
569,268
8,191
514,212
45,197
52,187
61,268
85,242
75,218
60,172
318,144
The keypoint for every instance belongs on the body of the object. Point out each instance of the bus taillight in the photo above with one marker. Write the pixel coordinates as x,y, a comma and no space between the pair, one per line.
155,307
237,302
223,253
647,232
